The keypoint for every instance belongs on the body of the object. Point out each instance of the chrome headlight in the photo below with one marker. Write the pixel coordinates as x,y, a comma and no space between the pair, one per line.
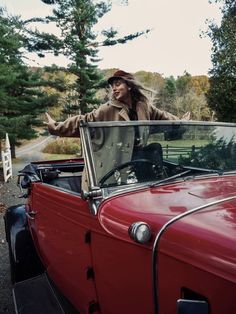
140,232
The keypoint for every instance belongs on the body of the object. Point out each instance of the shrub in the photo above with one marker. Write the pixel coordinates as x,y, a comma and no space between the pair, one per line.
63,146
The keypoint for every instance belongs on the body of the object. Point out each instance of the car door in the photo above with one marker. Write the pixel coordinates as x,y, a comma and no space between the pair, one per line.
61,230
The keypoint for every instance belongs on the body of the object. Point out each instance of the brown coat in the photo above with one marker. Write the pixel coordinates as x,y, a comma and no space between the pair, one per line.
111,111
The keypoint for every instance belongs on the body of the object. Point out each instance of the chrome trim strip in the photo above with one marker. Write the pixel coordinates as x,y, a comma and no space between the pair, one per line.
14,301
157,241
118,190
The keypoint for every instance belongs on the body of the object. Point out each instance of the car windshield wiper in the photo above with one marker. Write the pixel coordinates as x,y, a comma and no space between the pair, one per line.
178,175
197,169
183,173
229,172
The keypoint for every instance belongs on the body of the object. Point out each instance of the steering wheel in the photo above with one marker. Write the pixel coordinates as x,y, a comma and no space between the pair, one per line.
134,162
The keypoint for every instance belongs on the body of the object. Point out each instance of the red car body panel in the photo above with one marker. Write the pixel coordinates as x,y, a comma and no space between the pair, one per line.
122,268
60,227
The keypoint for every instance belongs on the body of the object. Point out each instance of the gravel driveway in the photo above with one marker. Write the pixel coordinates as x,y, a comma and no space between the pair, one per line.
9,195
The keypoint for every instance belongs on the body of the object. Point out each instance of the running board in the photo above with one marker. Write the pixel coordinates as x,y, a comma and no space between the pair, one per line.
36,296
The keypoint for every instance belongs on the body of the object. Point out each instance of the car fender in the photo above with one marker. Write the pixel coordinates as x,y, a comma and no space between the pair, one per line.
24,260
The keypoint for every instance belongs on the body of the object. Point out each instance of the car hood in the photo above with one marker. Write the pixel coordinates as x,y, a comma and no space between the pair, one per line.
204,238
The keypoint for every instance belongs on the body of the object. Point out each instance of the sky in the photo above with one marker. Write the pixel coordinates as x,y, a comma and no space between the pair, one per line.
172,47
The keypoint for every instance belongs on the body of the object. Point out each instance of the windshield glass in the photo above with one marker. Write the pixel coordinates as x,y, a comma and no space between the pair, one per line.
131,153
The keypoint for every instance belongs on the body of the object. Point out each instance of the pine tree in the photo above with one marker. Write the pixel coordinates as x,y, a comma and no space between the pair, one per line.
79,43
167,95
222,93
21,99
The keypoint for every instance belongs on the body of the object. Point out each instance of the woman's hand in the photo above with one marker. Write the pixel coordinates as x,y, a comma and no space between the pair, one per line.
50,120
186,116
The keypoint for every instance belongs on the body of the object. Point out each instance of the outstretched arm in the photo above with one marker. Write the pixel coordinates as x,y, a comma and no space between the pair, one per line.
157,114
68,128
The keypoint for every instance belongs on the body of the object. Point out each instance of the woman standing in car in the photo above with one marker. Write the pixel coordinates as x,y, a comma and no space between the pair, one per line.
128,102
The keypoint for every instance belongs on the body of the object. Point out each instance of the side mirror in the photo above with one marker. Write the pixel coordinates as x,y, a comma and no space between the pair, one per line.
94,197
96,192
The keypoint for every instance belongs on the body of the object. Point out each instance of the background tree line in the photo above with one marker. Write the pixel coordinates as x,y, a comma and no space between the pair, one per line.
26,92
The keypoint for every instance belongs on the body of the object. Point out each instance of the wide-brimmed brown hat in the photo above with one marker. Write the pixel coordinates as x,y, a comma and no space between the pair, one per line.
121,75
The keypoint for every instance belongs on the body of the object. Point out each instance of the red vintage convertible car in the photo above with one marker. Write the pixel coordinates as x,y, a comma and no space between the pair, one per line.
144,223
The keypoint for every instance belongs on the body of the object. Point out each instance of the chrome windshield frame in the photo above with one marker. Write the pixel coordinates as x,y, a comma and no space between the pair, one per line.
87,142
154,122
88,156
